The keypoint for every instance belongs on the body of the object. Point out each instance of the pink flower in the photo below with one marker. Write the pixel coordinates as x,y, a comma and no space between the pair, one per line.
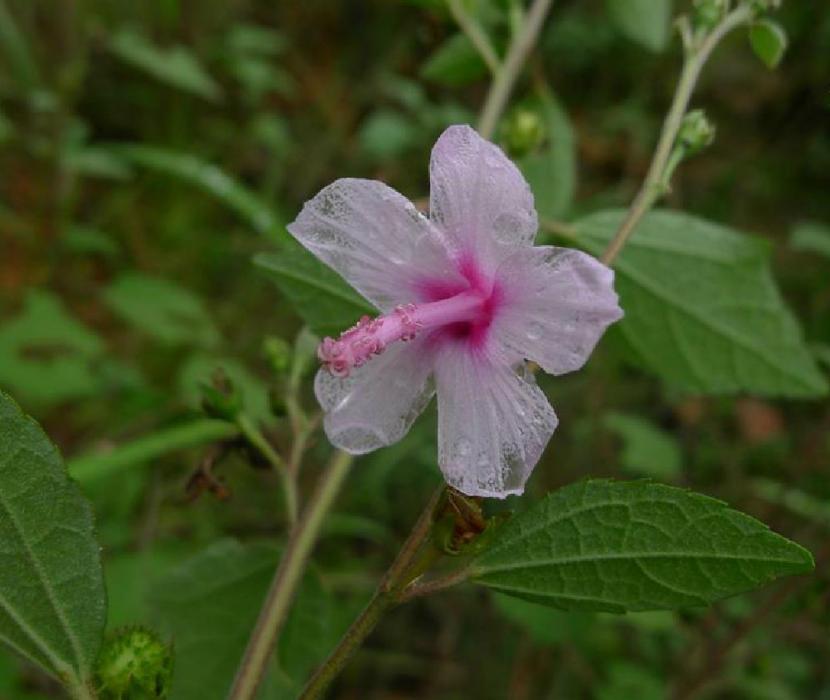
466,299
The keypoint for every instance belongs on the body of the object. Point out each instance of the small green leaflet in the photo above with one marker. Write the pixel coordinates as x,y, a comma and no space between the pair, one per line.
625,546
647,22
46,355
769,41
52,601
702,309
177,66
162,309
319,295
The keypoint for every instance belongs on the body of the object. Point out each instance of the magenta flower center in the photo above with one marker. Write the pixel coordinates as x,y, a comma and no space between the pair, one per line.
450,311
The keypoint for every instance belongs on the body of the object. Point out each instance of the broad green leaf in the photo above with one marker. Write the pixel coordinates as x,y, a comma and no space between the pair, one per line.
647,22
319,295
702,309
811,237
209,604
210,178
161,309
200,368
620,546
52,601
46,356
177,65
647,450
769,41
551,169
456,62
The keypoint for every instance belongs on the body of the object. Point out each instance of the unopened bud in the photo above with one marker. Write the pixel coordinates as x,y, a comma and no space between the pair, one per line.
134,663
523,131
696,132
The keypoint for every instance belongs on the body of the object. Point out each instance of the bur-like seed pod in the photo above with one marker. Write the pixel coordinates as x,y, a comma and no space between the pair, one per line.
134,664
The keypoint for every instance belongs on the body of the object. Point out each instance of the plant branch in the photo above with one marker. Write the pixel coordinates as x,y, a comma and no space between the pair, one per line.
286,579
476,35
652,187
406,568
509,71
289,485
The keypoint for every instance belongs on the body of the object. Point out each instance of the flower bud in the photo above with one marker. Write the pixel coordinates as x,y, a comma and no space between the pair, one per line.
523,131
134,663
696,132
220,398
707,13
278,353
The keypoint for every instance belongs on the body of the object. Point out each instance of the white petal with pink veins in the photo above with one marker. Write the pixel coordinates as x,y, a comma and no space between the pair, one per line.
377,403
558,302
478,197
374,237
493,424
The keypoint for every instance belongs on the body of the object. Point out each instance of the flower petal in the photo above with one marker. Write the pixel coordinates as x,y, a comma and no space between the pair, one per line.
493,424
558,302
374,237
478,197
377,403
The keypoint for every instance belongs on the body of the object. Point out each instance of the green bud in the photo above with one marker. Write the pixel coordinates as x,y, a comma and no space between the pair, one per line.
696,132
707,13
220,398
279,354
523,131
134,664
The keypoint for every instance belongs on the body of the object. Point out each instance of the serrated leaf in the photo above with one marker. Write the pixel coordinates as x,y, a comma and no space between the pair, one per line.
52,601
319,295
769,41
811,237
620,546
456,62
46,355
647,450
161,309
551,169
208,177
176,65
210,604
702,309
647,22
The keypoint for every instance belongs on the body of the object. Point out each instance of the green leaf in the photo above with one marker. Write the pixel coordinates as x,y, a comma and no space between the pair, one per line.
52,601
85,240
208,177
320,296
626,681
210,604
811,237
177,66
161,309
702,309
92,161
456,62
46,356
647,450
769,41
619,546
200,369
387,134
646,22
551,169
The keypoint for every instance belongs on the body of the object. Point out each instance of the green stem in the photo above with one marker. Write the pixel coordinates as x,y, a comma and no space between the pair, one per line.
406,568
651,188
475,34
286,579
146,449
509,71
254,435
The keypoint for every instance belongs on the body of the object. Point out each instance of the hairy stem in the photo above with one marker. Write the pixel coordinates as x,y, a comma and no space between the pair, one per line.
475,34
509,71
289,485
406,568
286,579
651,188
